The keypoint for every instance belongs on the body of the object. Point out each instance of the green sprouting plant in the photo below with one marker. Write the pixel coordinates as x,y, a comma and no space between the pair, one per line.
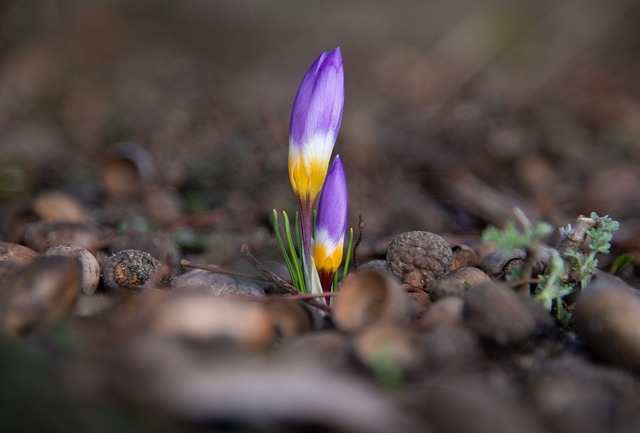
621,262
600,235
291,249
550,290
569,268
510,237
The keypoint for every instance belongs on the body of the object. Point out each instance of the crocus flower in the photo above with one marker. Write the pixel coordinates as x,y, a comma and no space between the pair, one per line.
331,225
315,120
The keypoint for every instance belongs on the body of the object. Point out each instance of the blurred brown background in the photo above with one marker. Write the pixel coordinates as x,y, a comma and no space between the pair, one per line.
455,111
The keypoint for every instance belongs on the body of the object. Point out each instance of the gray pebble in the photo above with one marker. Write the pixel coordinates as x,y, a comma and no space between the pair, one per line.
198,280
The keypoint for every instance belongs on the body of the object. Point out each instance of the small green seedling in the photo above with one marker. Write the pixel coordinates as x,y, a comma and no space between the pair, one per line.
569,268
600,234
510,237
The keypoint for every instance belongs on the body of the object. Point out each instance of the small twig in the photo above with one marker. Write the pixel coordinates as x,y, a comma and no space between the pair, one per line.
300,297
270,276
215,269
355,246
527,268
573,242
306,296
246,252
576,237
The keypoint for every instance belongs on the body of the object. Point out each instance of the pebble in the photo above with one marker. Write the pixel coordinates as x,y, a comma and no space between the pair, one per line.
499,264
289,318
419,257
463,256
368,297
444,312
498,315
202,317
446,287
90,266
608,321
38,295
198,280
16,253
128,270
470,276
419,302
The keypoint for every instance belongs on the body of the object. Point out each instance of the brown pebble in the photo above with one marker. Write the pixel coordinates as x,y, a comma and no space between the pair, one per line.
498,315
38,295
418,303
16,253
129,269
419,257
90,266
445,312
445,287
470,277
463,256
608,321
289,318
200,316
368,297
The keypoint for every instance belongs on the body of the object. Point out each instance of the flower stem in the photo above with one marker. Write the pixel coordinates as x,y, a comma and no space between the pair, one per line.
306,225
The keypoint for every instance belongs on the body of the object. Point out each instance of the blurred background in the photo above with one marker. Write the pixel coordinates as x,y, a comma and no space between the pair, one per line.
174,114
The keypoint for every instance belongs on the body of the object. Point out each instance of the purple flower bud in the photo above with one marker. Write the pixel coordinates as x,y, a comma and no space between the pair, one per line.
315,121
331,224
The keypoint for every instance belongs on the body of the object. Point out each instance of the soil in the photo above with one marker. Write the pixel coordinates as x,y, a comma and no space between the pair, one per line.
152,137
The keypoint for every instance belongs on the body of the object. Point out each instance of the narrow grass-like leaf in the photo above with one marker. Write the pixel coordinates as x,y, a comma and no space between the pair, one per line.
294,255
287,260
347,258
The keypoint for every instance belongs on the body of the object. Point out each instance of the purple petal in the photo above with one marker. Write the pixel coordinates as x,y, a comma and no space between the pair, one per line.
317,109
332,208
